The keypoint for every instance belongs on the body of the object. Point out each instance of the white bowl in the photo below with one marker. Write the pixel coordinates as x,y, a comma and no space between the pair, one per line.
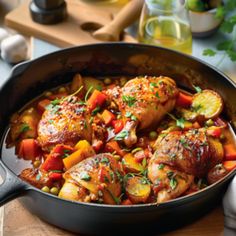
204,24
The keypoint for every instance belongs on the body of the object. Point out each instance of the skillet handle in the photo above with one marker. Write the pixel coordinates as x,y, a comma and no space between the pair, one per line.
12,187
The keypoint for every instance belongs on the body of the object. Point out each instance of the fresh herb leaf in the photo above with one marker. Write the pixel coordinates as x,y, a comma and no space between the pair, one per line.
161,166
157,95
24,127
173,183
232,55
96,110
197,88
224,46
180,122
87,94
55,102
122,135
152,84
104,160
209,52
85,176
128,114
129,100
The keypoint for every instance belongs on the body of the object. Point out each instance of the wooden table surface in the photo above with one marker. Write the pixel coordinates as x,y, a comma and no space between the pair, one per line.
16,221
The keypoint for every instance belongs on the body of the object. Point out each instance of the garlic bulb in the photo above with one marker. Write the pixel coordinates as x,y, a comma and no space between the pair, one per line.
14,49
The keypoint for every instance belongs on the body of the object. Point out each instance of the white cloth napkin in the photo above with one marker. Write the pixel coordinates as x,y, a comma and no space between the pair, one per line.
229,204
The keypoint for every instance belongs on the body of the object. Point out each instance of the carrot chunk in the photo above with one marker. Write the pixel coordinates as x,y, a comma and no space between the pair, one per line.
229,165
230,152
184,100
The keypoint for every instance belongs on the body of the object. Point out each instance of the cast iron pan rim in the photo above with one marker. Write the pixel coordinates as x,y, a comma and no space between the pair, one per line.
173,202
122,44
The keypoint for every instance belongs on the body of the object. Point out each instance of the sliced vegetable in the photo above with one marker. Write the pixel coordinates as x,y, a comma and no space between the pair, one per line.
214,131
113,146
84,150
230,152
138,189
184,100
54,160
42,105
207,103
108,117
54,176
97,99
131,165
29,149
118,125
229,165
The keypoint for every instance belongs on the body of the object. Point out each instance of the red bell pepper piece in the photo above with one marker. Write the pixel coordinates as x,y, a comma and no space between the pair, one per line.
214,131
29,149
229,165
108,117
54,159
118,125
96,99
184,100
54,176
97,145
230,152
42,105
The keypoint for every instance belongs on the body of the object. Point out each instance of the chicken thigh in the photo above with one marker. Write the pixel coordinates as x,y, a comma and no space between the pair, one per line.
185,155
143,102
64,121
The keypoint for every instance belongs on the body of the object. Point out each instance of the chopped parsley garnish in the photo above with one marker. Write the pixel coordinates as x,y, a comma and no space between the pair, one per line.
120,136
144,181
85,176
128,114
160,166
198,89
79,110
104,160
50,121
157,95
55,102
129,100
96,110
170,174
173,183
152,84
24,127
180,122
38,176
184,143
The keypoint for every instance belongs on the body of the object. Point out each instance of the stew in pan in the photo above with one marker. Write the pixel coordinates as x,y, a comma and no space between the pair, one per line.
121,140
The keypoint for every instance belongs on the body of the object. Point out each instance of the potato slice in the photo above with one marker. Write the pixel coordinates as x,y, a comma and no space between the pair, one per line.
131,165
207,103
138,189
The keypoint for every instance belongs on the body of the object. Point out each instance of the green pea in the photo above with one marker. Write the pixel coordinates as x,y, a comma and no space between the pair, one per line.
209,122
62,90
107,81
45,189
153,135
54,191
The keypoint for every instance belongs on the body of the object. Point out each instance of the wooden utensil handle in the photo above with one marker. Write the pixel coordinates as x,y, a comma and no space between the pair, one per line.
128,14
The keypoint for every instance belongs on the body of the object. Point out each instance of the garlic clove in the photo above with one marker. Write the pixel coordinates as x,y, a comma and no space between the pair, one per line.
14,49
3,34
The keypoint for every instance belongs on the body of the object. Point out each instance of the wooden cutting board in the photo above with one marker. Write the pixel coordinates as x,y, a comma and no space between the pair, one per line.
74,30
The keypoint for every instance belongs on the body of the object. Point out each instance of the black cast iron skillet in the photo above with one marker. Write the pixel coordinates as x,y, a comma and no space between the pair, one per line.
32,78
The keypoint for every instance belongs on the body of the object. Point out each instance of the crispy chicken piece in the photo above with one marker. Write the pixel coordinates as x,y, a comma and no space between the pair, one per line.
143,102
99,175
168,183
66,121
179,157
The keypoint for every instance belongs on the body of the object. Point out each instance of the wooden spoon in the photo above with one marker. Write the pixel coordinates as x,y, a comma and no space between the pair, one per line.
128,14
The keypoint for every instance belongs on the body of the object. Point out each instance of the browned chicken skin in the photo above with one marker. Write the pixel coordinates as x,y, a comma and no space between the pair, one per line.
64,122
189,153
146,100
99,175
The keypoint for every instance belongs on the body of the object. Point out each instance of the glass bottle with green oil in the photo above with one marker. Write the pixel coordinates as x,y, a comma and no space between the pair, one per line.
165,23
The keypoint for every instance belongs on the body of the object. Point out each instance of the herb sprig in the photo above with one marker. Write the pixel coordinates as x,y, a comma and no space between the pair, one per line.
228,26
